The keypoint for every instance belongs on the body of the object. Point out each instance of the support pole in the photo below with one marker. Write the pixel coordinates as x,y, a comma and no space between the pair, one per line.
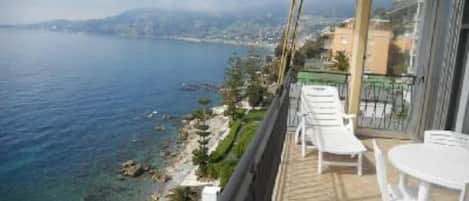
286,38
294,37
360,34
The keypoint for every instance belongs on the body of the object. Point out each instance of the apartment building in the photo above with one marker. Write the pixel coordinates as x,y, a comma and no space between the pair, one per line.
339,38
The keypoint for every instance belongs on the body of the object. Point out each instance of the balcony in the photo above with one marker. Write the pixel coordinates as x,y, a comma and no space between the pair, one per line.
272,168
298,179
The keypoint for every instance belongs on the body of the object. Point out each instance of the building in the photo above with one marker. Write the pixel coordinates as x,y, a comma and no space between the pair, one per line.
380,37
270,169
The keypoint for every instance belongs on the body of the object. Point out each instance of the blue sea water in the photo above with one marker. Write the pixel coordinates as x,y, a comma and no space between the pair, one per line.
73,106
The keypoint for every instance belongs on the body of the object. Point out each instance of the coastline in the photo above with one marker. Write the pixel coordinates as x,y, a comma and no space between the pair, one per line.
179,166
222,41
269,46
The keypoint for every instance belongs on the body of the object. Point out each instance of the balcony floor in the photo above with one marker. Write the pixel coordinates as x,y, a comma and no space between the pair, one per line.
298,179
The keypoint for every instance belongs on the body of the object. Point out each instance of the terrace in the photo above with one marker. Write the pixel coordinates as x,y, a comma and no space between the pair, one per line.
298,179
272,167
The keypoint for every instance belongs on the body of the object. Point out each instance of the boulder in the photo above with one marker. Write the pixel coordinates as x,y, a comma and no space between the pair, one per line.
188,117
134,171
128,163
155,196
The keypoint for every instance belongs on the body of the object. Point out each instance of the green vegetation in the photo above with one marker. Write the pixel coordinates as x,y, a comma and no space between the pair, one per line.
341,61
245,138
226,144
310,77
313,48
397,62
181,193
232,86
200,155
254,115
247,79
226,156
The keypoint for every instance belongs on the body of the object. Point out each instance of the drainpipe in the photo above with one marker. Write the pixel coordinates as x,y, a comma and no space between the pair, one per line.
360,36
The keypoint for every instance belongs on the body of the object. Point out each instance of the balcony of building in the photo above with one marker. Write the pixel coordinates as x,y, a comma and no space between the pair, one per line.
395,110
298,178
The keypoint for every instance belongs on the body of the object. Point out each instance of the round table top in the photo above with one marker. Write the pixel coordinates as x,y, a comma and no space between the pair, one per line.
435,164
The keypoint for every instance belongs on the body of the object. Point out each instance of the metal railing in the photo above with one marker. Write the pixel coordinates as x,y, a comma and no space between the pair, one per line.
385,100
254,177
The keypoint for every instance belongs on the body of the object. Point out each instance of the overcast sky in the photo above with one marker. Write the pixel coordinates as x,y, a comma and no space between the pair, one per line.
29,11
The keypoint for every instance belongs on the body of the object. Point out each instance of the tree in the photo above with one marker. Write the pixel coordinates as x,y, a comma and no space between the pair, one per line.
255,93
251,66
182,194
341,61
313,48
397,60
234,81
279,48
200,156
299,59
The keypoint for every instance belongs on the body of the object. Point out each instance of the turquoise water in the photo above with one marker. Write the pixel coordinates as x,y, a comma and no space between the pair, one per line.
73,106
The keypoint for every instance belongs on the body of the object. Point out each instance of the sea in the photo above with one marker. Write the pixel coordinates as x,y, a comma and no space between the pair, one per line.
75,106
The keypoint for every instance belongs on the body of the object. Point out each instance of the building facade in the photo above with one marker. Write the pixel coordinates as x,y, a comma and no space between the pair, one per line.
380,37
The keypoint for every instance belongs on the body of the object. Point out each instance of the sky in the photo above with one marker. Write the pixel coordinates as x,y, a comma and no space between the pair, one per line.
32,11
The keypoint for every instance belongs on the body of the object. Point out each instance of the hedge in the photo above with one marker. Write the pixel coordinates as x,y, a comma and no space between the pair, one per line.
226,144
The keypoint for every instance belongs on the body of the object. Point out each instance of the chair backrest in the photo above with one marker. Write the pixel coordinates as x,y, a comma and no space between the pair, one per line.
322,106
446,138
464,196
381,172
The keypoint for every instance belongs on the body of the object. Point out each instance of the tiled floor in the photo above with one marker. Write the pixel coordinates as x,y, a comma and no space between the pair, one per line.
298,178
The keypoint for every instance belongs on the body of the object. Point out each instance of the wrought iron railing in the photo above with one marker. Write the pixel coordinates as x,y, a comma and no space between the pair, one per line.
254,177
385,100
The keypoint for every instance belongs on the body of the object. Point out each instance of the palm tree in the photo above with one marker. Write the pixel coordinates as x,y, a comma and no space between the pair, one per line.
341,61
182,194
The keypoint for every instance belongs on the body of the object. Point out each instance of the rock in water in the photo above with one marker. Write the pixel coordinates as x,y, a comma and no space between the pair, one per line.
155,196
134,171
188,117
128,163
131,169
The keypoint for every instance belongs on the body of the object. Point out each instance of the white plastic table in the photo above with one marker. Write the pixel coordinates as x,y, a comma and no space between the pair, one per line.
432,164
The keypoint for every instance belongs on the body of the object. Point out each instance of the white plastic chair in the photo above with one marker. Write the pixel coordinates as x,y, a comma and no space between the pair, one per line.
465,192
390,192
446,138
322,123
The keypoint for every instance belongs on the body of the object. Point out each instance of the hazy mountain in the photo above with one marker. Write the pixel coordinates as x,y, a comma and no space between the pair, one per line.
252,24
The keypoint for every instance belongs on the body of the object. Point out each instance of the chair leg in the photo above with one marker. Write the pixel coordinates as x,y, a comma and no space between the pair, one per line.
303,144
297,132
403,184
319,162
360,164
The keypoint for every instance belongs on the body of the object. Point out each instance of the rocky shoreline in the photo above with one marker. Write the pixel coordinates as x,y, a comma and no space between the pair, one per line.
178,168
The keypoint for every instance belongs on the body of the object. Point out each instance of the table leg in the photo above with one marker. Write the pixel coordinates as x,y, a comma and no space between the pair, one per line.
424,191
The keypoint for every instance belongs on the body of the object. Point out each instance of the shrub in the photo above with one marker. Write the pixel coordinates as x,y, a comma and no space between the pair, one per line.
225,170
244,139
226,144
255,115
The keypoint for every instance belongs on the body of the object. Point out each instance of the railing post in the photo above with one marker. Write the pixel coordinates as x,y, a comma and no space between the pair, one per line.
360,34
